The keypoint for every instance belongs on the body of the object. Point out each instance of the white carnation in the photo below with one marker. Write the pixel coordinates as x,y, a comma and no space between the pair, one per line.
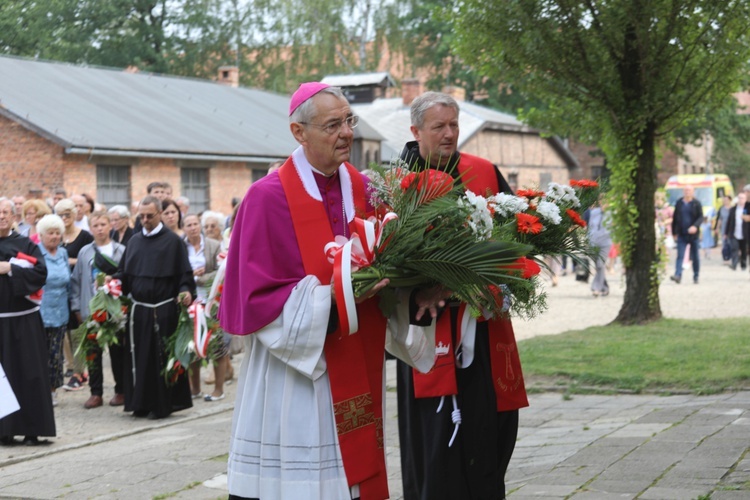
507,205
480,218
549,211
562,195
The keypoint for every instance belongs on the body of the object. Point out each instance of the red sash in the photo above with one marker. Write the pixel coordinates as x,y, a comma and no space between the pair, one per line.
510,392
355,362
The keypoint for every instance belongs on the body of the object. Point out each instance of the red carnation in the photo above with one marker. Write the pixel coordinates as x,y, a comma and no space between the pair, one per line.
431,183
99,316
91,336
583,183
529,193
528,267
528,224
575,217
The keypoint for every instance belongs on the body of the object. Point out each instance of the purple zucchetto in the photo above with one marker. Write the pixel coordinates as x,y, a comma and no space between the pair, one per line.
304,92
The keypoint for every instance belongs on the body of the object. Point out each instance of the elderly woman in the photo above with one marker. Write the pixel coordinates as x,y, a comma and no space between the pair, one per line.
54,307
213,224
119,216
171,216
203,253
74,238
32,211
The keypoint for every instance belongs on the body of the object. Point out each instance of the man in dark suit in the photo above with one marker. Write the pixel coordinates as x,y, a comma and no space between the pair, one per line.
736,232
688,215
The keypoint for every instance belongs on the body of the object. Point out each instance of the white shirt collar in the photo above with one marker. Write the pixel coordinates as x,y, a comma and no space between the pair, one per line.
305,172
154,232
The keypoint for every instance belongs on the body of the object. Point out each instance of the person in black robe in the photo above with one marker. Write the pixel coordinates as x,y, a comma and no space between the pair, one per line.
23,341
156,272
474,466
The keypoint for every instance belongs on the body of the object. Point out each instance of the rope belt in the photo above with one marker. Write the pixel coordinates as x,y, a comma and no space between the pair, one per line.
131,323
16,314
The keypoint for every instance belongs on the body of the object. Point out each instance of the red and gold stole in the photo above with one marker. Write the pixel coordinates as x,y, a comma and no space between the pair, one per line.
355,362
510,392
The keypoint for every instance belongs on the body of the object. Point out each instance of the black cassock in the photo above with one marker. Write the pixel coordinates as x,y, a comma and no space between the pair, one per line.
23,343
154,269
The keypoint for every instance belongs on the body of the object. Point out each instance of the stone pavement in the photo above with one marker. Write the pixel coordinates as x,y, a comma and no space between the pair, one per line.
597,447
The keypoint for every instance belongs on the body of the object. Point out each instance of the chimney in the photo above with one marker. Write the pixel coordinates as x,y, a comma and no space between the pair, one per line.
458,93
229,75
411,88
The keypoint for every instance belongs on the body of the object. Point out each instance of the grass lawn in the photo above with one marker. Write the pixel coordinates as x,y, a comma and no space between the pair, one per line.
669,356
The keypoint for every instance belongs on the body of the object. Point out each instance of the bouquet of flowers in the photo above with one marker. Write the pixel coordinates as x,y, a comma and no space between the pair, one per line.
429,230
194,338
108,312
550,222
422,234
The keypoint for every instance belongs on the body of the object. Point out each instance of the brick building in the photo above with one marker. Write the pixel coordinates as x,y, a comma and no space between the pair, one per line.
109,133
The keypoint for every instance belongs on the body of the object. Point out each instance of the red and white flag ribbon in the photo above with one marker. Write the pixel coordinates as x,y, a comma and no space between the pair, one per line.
201,333
113,288
349,256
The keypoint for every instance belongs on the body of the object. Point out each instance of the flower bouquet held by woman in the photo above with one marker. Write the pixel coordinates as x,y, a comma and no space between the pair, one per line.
108,313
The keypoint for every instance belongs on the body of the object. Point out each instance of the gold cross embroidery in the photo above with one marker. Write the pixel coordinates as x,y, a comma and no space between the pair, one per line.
354,413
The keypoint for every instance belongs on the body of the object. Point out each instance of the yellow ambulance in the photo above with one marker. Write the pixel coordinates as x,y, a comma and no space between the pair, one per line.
709,189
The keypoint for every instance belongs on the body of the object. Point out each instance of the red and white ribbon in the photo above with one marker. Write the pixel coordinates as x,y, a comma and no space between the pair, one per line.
347,257
113,288
201,333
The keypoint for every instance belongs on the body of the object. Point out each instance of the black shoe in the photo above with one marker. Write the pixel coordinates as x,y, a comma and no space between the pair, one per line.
34,441
7,441
695,280
153,416
140,413
676,279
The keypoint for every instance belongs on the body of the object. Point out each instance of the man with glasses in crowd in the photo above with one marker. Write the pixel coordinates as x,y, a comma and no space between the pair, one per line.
156,272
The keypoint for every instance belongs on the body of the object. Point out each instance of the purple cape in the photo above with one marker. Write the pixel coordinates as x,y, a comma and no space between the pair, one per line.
264,263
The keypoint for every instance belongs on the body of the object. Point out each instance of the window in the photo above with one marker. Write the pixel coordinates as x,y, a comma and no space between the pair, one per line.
195,188
544,179
259,173
113,185
513,181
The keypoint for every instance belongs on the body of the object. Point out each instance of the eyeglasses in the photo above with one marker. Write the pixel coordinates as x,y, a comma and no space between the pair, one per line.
334,127
147,216
66,215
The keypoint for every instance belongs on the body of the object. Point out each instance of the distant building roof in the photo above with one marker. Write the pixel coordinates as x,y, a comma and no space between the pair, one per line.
107,111
382,78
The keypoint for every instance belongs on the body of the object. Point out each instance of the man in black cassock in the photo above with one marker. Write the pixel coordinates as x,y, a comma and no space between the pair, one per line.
439,459
156,272
23,342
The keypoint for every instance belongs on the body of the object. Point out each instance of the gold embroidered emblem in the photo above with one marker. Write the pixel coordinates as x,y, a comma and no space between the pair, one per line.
508,350
351,414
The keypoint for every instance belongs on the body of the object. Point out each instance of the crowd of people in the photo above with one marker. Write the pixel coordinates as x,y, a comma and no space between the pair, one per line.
51,253
694,230
308,413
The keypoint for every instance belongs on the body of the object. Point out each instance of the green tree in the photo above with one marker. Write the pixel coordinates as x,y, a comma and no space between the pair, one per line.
729,129
623,74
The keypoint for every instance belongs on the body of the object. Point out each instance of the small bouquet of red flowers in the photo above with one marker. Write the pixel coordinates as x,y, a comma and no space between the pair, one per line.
107,319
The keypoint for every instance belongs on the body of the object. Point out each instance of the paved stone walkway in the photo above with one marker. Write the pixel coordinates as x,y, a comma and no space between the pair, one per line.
585,447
